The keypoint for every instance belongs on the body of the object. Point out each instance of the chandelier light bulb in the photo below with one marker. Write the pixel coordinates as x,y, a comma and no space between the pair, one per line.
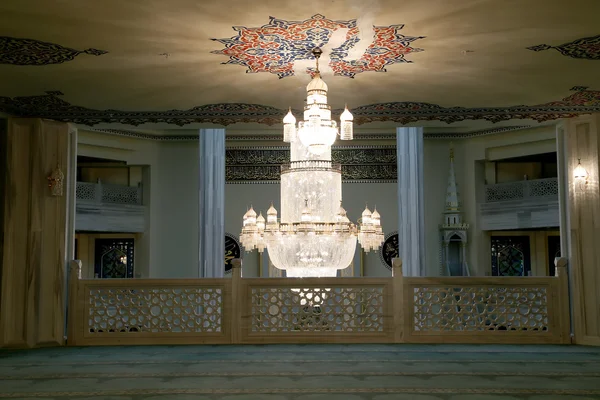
346,122
289,127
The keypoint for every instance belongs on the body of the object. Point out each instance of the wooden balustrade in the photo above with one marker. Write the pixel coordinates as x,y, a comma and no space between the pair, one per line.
319,310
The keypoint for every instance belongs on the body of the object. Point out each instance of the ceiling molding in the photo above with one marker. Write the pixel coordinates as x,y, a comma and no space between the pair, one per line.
587,48
278,138
51,106
19,51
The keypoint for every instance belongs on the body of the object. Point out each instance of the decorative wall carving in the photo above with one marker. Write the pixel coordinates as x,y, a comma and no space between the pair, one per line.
587,48
18,51
263,165
276,46
50,106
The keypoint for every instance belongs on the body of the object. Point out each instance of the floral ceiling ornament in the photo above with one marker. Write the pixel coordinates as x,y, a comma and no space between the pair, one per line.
18,51
276,46
587,48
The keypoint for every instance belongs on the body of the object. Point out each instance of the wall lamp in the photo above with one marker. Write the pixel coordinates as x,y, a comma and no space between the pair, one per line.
579,173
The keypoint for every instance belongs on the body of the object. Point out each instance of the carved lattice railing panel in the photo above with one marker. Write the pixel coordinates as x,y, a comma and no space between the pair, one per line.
480,308
312,310
103,193
305,307
521,190
317,309
138,309
121,194
85,191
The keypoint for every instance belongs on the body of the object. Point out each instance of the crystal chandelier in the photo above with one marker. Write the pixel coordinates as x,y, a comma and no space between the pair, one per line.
314,237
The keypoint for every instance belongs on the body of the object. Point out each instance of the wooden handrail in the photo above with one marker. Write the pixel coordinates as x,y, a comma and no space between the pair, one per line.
279,310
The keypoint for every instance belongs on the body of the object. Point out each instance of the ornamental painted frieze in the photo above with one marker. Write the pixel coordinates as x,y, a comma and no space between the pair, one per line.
17,51
51,106
587,48
377,164
277,46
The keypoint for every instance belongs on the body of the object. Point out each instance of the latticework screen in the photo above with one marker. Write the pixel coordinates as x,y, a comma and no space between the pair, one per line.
480,308
320,309
155,309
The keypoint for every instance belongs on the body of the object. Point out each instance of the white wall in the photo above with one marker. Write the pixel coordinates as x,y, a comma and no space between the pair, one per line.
169,247
470,156
134,152
175,215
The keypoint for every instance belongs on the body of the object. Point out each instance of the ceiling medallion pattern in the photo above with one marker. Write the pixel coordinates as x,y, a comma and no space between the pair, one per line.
17,51
276,46
52,107
586,48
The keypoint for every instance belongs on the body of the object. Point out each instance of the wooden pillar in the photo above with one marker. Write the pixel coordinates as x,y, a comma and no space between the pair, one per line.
563,299
74,316
237,301
581,136
32,304
398,300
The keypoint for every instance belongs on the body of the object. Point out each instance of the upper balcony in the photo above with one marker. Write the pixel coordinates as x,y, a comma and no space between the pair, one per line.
520,205
109,208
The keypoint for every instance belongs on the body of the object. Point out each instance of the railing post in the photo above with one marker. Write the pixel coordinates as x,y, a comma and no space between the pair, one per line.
398,300
98,192
73,324
237,301
563,298
526,189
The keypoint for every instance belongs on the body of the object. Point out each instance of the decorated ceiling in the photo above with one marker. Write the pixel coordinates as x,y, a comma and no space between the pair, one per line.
184,63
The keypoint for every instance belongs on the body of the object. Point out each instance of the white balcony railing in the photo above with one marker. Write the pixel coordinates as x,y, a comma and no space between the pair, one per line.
113,194
521,190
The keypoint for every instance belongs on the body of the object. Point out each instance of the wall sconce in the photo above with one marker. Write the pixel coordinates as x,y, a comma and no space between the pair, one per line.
579,173
55,182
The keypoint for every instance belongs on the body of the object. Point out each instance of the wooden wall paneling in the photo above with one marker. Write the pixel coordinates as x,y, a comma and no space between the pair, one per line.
52,258
15,280
584,211
34,260
3,175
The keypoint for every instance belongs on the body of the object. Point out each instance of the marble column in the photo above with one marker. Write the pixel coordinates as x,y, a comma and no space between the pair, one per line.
211,233
411,219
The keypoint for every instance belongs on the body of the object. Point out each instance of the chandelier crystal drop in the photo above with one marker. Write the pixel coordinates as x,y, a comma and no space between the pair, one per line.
314,236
